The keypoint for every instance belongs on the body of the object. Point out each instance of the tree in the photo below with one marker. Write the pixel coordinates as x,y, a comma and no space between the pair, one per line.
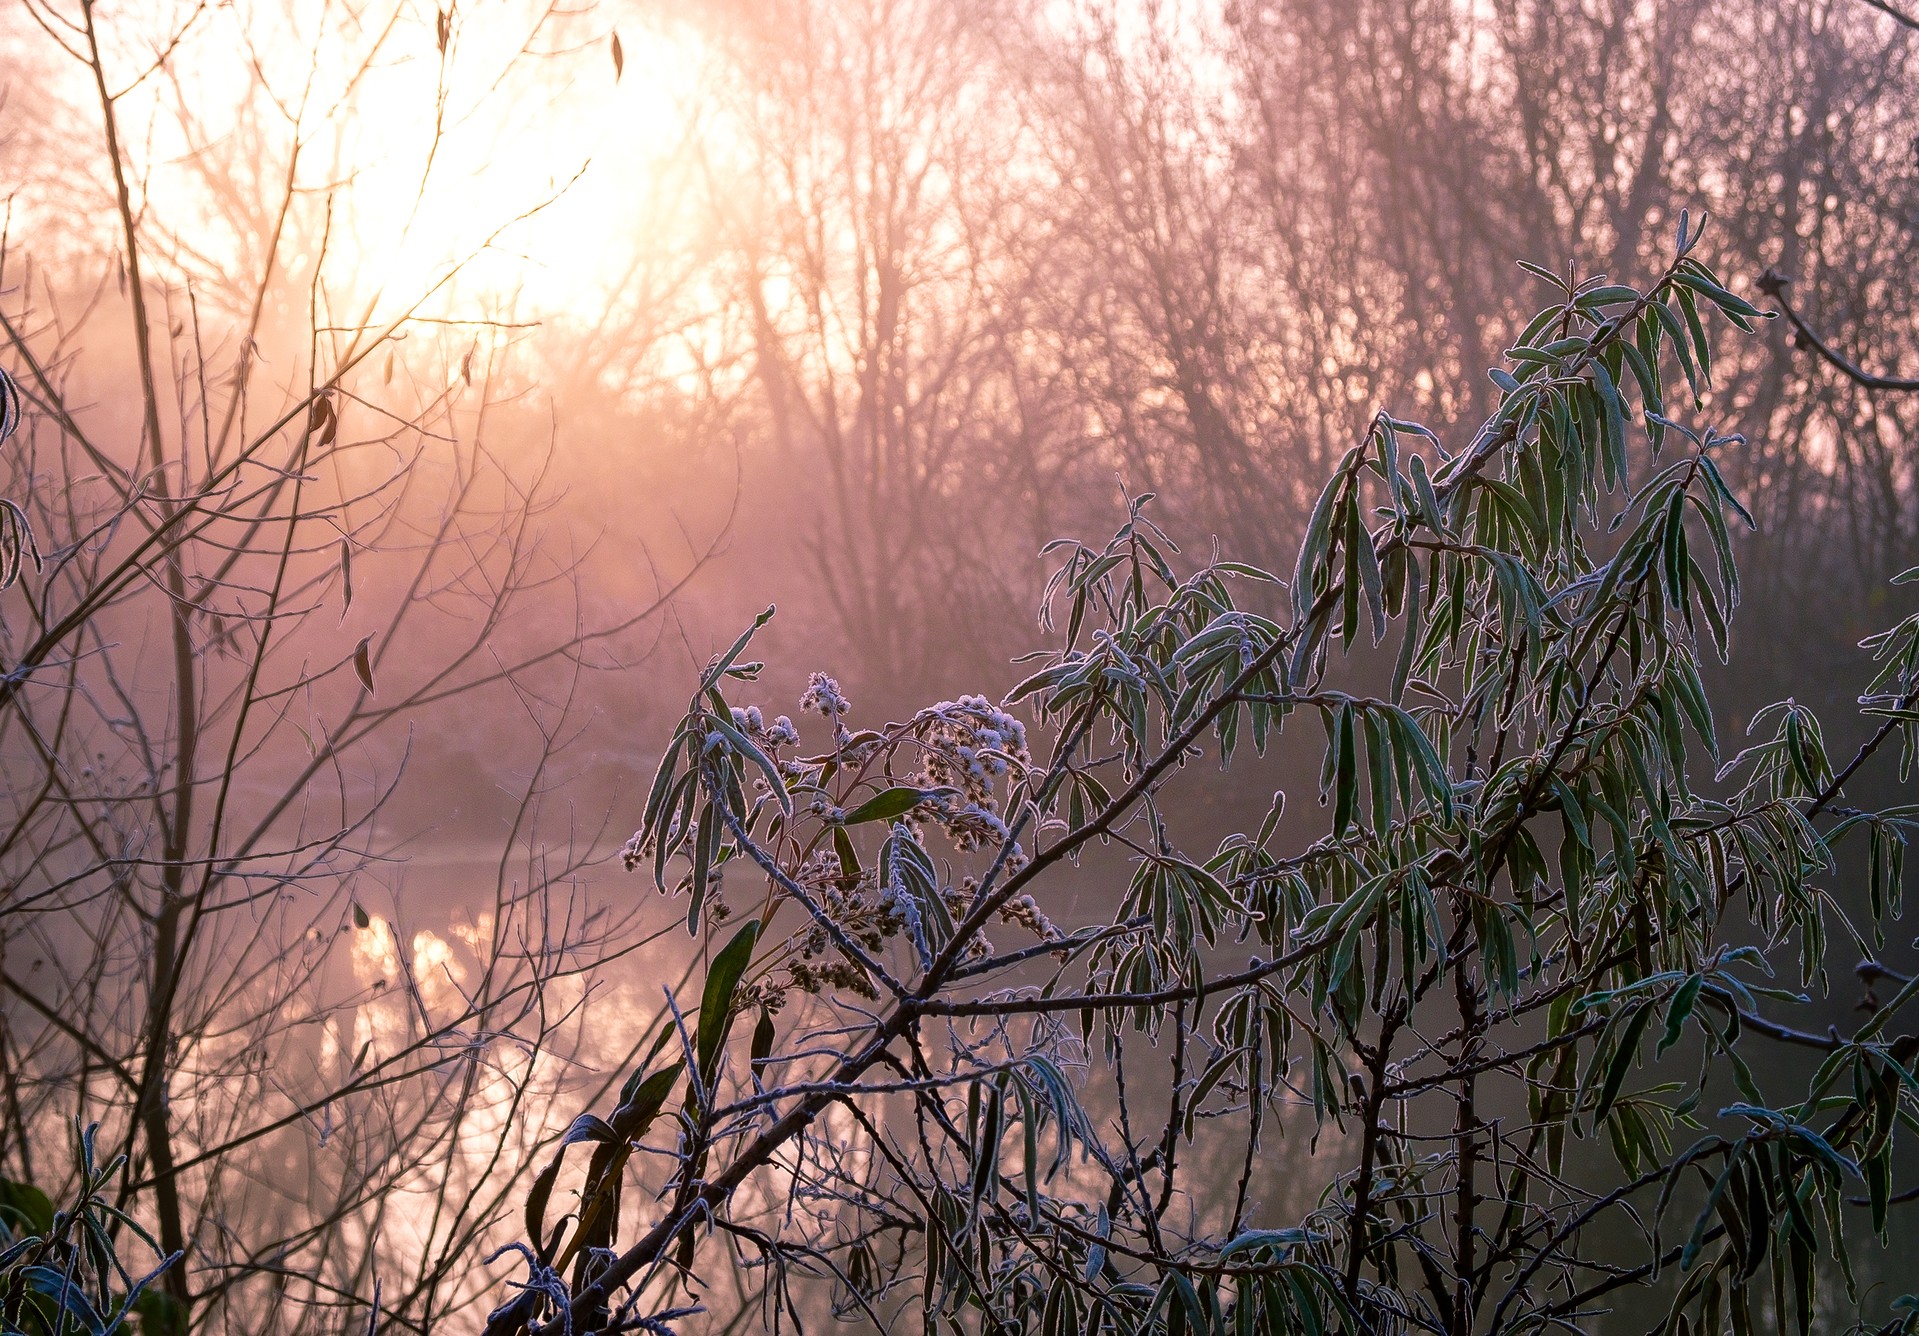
1518,977
244,607
1152,310
1401,153
880,284
1019,248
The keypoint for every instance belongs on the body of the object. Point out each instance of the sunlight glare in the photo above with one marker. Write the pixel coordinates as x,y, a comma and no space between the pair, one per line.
534,176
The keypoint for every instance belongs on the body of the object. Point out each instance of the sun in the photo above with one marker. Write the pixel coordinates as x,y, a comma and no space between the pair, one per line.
503,162
509,166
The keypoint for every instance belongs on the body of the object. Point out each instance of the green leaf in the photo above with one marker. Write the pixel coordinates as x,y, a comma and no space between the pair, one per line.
66,1291
25,1209
886,805
716,1000
843,849
638,1110
1345,770
1681,345
749,749
1615,418
589,1127
1614,295
763,1034
725,661
705,842
1699,279
1409,632
1678,1010
1429,506
658,795
1702,346
537,1197
1379,773
1622,1059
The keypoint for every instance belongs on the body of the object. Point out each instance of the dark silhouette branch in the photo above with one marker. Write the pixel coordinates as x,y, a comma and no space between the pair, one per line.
1774,284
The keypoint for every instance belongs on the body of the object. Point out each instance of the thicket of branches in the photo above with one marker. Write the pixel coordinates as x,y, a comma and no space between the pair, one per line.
267,541
1018,248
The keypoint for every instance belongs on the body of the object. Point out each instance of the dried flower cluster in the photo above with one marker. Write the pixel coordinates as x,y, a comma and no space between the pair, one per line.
822,696
962,754
970,744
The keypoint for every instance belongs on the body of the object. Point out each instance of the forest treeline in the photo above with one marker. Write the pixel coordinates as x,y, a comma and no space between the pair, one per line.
990,256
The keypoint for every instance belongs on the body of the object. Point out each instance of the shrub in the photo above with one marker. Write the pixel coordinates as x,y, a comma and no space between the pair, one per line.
61,1271
1542,908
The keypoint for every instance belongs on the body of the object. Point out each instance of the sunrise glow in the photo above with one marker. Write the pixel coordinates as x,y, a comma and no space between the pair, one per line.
529,183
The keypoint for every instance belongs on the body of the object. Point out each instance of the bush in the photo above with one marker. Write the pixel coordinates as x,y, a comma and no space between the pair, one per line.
1539,911
62,1273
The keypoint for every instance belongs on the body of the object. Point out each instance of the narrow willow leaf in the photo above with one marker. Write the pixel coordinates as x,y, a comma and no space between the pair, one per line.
1345,770
719,666
886,805
363,663
716,999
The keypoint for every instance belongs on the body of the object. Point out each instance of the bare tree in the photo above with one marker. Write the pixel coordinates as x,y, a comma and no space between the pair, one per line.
1405,152
318,536
859,171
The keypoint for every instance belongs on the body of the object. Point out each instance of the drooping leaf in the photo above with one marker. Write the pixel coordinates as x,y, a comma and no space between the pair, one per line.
885,805
716,999
363,662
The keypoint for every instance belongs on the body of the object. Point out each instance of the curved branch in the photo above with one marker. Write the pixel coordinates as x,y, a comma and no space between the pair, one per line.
1773,284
